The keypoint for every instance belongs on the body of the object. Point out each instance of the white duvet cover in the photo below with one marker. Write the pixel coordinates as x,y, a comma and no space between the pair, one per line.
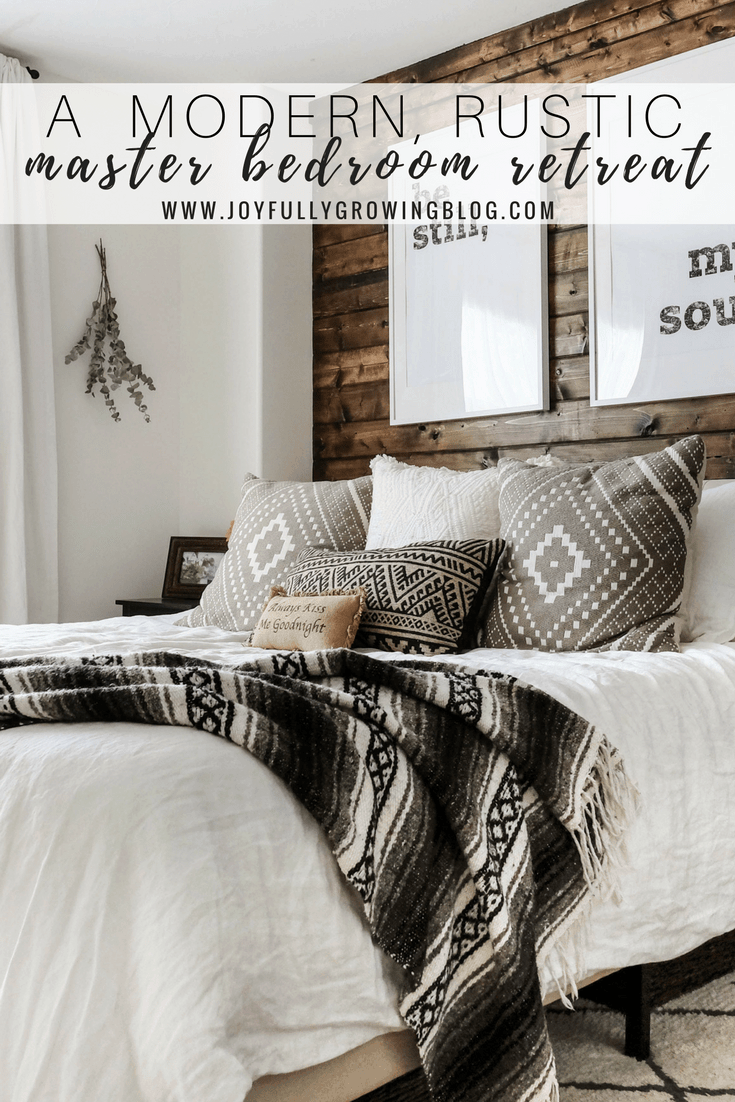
173,925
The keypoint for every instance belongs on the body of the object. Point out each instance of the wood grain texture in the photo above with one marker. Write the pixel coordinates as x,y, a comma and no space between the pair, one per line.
603,42
335,232
358,329
570,378
360,402
572,421
591,40
720,451
358,254
665,41
568,250
720,455
556,34
558,25
350,293
356,365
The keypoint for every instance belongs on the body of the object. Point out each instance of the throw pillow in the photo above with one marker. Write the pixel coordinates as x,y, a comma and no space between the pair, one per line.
596,553
422,599
415,504
274,522
547,460
710,613
309,621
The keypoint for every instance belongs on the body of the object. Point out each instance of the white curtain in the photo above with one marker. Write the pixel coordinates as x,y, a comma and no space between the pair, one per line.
28,497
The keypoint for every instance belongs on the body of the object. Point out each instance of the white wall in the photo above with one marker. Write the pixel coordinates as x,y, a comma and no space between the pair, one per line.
220,372
118,500
220,317
246,380
286,444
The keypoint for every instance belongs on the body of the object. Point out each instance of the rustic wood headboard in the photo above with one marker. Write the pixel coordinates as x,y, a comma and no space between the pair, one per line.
351,387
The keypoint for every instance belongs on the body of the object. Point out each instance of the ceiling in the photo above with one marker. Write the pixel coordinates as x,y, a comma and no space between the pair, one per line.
259,41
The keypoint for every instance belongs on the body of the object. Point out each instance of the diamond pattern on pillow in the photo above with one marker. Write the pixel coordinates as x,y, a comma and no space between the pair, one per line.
421,599
596,552
274,522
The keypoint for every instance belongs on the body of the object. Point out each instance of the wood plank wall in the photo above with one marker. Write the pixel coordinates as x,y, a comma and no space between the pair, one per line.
351,388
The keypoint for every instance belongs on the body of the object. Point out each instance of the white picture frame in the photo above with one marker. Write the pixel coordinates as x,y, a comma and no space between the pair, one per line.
468,321
656,330
469,300
662,309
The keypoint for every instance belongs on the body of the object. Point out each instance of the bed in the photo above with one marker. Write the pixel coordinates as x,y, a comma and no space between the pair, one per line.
176,927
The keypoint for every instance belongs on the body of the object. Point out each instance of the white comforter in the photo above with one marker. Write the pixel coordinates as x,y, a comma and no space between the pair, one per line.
173,925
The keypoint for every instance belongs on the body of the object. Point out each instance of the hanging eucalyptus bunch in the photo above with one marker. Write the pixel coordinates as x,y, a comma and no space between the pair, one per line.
109,367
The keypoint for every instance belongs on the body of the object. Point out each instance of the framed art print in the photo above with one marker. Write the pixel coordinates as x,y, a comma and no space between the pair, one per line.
468,285
662,297
663,303
468,320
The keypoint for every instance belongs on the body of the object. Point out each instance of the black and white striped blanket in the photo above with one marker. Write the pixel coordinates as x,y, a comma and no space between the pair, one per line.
473,814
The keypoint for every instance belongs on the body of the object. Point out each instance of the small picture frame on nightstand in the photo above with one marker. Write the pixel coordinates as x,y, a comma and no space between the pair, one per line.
192,564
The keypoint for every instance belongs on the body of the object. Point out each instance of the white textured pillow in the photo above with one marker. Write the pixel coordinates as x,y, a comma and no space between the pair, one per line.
548,460
415,504
711,606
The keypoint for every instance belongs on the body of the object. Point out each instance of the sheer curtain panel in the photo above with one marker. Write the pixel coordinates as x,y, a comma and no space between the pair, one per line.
28,497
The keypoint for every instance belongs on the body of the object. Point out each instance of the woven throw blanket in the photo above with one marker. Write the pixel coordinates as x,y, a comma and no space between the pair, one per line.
473,814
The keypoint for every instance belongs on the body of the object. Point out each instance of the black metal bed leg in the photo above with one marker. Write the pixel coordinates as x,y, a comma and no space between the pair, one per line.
635,990
638,1014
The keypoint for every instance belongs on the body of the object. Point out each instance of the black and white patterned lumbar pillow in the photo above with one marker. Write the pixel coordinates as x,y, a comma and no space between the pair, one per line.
274,522
596,552
422,599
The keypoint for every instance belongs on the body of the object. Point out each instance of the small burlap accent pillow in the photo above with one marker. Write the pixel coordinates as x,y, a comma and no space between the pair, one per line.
309,621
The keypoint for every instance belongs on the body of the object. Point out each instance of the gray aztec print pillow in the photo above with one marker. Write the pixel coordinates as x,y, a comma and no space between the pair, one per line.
596,552
274,522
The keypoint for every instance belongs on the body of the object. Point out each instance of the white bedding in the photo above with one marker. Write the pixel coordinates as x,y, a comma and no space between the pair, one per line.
173,925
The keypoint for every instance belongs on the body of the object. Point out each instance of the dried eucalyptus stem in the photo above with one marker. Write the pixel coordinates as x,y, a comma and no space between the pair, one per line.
109,369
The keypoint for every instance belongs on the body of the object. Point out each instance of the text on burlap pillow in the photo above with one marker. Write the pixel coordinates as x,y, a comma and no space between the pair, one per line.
274,522
421,599
596,552
309,621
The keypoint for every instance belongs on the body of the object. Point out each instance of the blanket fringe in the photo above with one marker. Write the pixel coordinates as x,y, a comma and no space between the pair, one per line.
610,802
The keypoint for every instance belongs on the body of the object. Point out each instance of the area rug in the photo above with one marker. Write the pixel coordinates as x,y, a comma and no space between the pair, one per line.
692,1053
692,1050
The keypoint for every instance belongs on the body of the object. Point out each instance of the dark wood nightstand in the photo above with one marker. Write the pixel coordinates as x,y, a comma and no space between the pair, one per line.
156,606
